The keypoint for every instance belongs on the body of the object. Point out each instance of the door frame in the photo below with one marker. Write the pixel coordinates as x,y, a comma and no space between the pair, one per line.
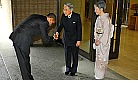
115,41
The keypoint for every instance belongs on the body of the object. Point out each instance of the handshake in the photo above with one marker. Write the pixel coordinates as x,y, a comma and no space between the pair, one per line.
56,35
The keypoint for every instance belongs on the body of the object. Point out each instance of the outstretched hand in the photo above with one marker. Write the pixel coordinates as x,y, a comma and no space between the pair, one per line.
56,35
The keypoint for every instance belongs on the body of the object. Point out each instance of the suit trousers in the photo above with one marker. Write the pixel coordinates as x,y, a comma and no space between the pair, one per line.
24,62
71,51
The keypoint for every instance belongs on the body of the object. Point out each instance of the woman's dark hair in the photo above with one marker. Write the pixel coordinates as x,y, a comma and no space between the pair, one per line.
52,15
101,4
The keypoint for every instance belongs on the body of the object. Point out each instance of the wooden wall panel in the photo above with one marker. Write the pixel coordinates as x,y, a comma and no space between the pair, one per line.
23,8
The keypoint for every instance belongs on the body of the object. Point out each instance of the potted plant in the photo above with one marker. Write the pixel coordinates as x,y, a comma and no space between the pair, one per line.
135,8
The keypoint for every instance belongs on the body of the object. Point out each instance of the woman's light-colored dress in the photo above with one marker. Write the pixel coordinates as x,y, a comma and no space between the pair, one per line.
103,33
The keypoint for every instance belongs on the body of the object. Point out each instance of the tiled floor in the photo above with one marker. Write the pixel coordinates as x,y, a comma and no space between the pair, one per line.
127,63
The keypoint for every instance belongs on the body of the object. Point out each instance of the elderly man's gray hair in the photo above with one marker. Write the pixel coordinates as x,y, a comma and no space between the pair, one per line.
101,4
69,5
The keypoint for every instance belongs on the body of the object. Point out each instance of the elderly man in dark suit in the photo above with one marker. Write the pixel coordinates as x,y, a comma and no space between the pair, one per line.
72,36
23,35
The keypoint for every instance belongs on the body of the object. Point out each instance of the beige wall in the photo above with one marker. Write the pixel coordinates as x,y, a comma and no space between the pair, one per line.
6,11
5,20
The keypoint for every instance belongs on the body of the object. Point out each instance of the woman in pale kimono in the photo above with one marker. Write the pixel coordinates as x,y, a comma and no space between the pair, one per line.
102,36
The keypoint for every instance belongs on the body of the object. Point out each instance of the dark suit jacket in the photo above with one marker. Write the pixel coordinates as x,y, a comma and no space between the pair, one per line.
32,26
72,29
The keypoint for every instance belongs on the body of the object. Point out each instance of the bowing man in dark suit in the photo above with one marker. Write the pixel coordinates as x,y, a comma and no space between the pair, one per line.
23,35
72,37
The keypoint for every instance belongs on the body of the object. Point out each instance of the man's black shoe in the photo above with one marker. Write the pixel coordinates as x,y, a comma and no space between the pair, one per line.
72,74
66,73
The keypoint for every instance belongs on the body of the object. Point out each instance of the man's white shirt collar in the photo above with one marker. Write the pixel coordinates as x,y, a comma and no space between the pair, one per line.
69,16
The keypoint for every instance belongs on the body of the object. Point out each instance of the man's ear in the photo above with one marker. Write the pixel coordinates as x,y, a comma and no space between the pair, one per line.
48,19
